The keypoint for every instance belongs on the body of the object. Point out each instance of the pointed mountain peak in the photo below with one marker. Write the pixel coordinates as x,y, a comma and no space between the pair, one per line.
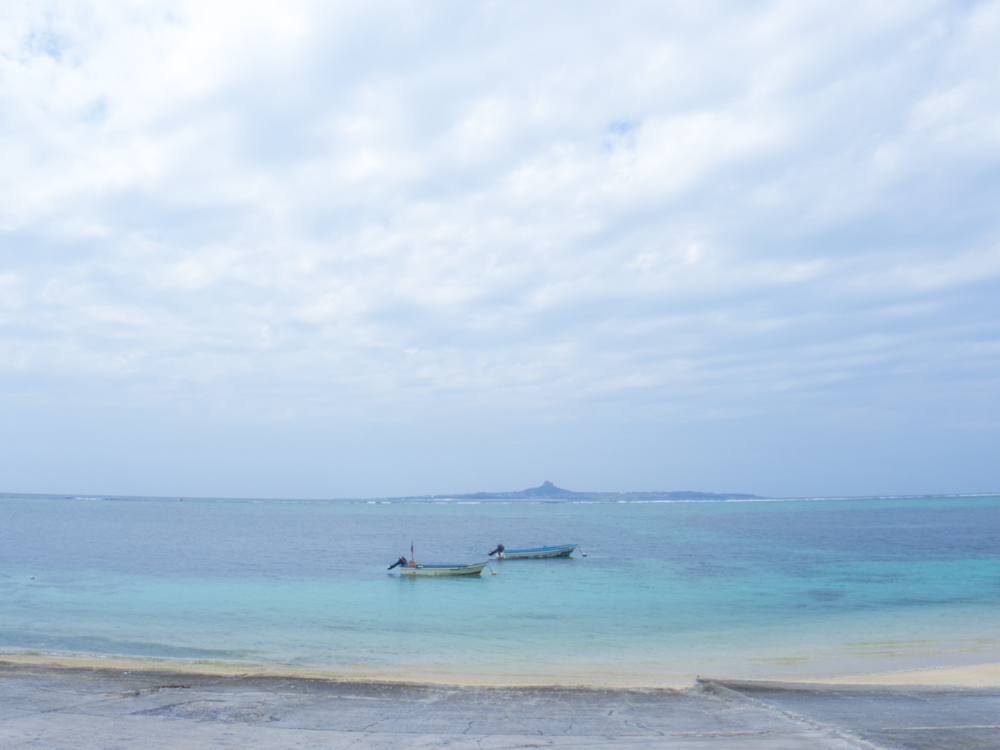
546,490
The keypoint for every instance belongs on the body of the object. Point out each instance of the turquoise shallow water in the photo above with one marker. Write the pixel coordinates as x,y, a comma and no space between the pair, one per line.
754,589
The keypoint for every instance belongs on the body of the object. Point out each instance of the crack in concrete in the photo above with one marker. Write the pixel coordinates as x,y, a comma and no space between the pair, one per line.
159,709
640,725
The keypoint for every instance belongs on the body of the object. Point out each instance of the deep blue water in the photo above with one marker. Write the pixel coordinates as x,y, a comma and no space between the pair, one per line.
676,588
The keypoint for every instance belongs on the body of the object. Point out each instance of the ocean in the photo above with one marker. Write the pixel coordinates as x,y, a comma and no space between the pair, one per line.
786,589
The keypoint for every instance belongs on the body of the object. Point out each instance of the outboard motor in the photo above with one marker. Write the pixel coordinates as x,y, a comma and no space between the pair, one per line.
499,548
400,561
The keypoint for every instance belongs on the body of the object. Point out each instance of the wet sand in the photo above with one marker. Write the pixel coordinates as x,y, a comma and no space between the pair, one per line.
75,704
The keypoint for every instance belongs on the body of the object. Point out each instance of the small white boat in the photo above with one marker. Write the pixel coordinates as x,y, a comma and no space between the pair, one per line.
410,568
564,550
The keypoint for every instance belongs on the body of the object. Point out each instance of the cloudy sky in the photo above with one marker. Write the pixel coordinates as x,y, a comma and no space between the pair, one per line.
356,249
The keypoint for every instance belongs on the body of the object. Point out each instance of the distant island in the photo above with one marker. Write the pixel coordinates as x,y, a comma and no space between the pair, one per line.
548,491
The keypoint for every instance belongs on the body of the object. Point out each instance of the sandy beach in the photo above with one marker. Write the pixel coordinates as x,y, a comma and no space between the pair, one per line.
80,703
979,675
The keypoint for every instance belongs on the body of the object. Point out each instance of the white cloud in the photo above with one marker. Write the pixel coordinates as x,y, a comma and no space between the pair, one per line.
543,211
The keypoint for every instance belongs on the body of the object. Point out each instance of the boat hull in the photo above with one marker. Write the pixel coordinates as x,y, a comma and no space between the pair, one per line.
444,570
534,554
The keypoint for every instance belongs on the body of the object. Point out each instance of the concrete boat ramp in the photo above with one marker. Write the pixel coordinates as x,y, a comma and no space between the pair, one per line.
45,706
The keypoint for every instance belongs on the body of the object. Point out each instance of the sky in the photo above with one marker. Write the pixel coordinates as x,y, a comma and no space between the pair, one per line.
358,249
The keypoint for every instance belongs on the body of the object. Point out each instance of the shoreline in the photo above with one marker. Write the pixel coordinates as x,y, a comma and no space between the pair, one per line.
959,677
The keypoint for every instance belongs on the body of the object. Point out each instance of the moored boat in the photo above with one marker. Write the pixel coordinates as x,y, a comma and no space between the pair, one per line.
564,550
444,570
411,568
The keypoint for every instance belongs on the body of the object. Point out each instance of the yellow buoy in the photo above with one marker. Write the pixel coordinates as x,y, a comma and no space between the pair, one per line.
494,572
